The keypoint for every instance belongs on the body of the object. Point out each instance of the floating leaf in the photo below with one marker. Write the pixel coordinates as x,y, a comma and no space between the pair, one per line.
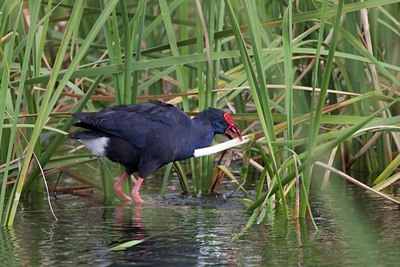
126,245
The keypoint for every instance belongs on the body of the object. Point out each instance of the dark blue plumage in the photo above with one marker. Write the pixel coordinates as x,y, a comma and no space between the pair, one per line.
144,137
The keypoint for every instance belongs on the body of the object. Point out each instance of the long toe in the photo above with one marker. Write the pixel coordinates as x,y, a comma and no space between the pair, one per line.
136,197
121,195
118,187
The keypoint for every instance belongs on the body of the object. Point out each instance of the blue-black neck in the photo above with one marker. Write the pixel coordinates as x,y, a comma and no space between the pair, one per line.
203,132
200,135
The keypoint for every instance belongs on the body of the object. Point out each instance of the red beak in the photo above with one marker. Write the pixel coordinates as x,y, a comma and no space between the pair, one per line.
233,129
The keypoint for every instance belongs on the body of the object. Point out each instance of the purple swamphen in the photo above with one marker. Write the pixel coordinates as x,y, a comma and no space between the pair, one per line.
144,137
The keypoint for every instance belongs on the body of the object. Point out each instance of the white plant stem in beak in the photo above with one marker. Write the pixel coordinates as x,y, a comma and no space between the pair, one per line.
222,146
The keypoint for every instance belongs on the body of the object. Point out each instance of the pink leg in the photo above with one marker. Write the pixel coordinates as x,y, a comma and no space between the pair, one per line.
118,187
135,191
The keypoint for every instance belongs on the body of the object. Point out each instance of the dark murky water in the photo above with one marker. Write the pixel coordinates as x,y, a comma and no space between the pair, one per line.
355,228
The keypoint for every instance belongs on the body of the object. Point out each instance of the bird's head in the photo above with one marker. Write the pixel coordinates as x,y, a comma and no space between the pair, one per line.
222,122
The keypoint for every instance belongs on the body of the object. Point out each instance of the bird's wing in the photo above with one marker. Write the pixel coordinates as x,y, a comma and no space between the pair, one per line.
135,122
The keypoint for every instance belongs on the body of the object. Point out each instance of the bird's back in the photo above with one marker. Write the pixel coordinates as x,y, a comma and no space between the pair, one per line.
135,123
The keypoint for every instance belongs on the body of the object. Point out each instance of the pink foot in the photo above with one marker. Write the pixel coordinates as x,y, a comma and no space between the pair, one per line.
137,198
118,188
135,191
122,195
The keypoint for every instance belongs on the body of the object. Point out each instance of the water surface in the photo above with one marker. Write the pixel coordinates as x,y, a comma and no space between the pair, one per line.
355,228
